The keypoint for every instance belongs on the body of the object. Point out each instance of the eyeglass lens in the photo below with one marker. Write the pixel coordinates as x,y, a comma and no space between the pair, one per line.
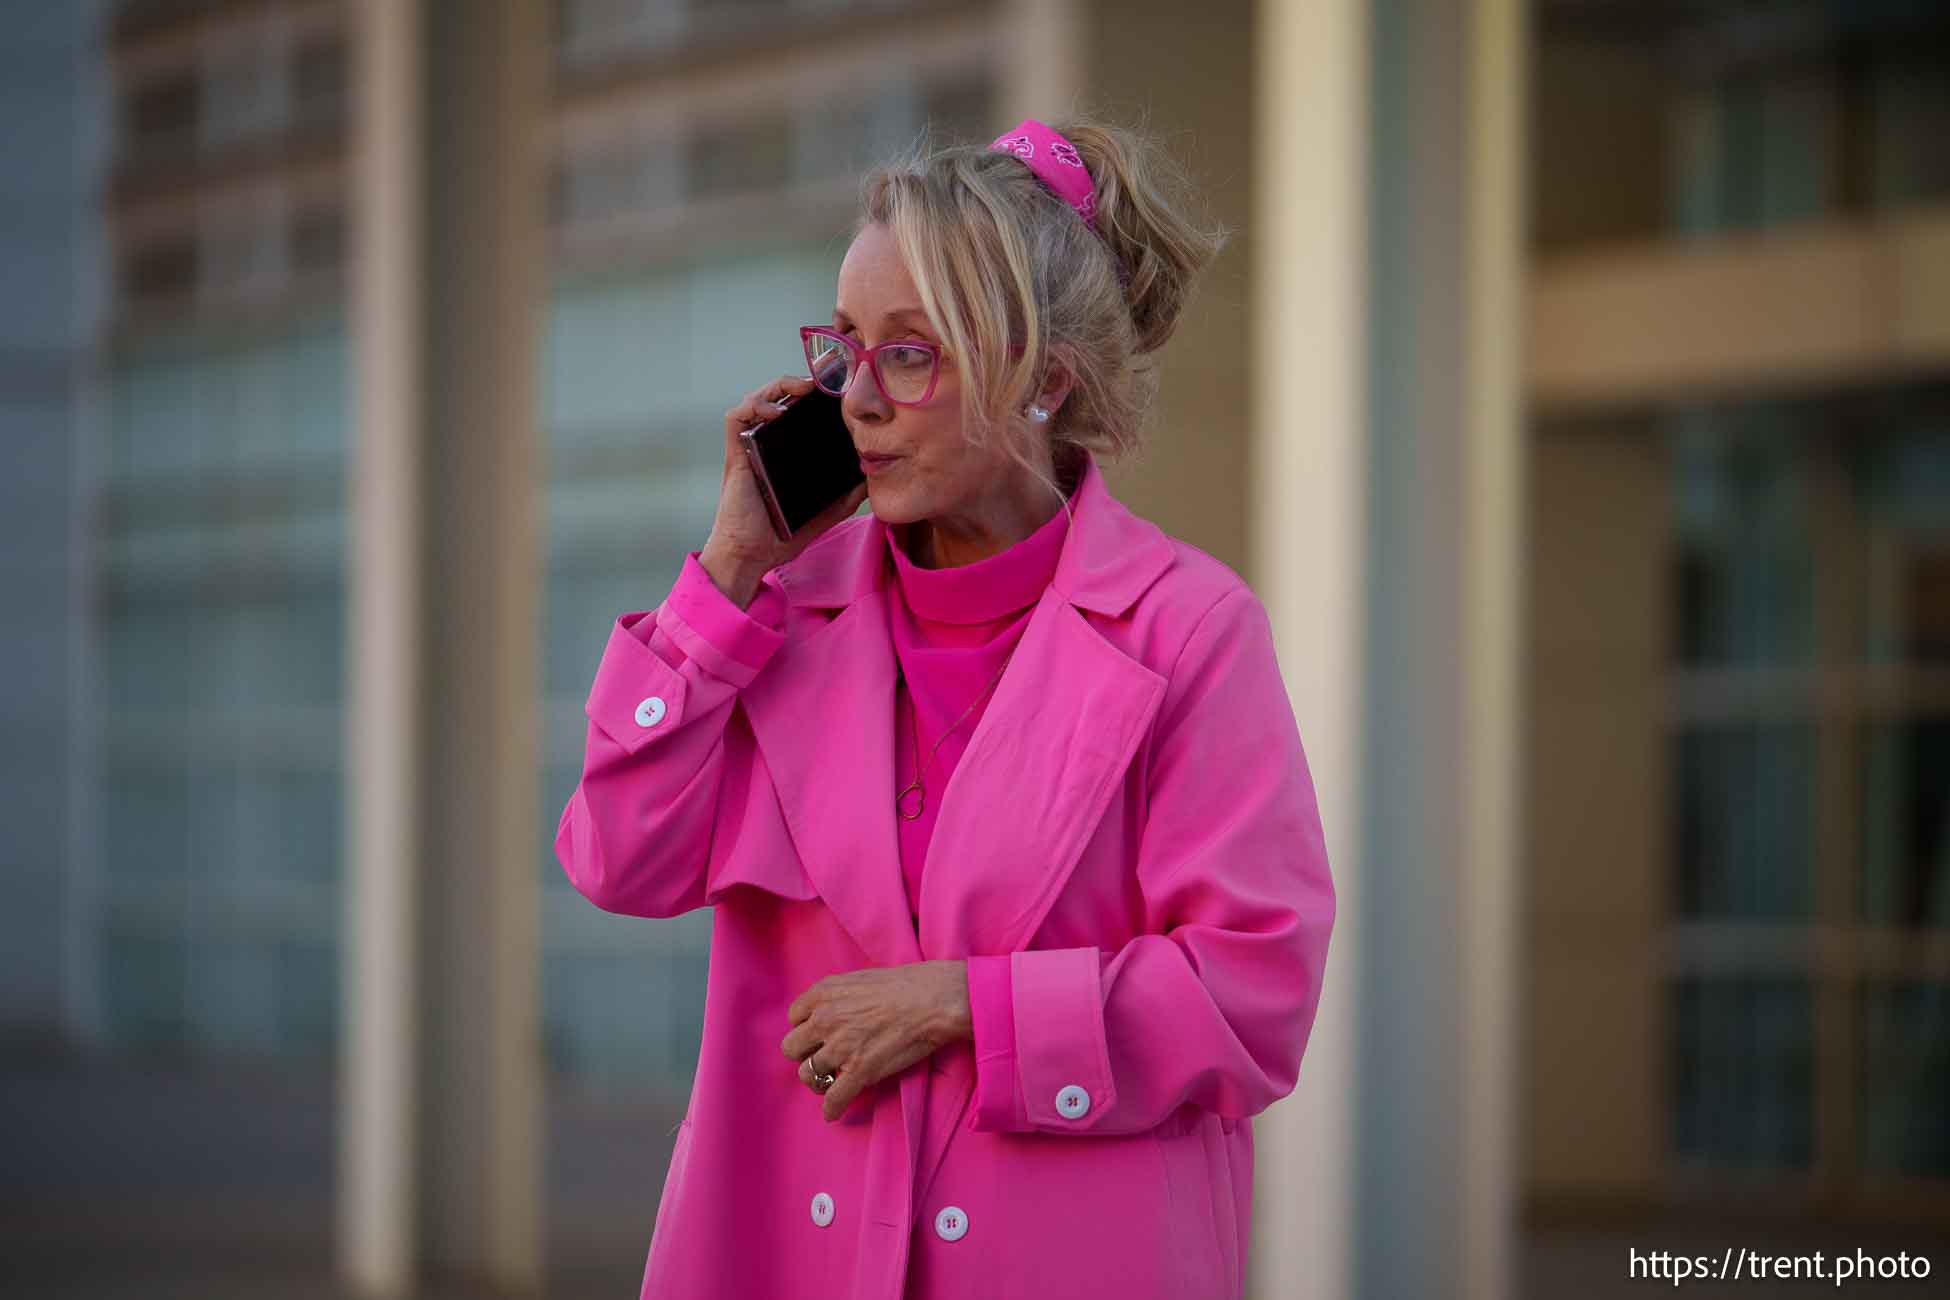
906,372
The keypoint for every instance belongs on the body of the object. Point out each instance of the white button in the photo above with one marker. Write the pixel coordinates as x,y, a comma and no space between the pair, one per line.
650,712
1074,1102
822,1209
951,1224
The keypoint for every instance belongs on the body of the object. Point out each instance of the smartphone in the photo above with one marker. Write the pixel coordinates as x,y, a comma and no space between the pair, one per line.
803,460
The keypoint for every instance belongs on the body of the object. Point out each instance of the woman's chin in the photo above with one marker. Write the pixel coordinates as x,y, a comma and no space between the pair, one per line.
889,504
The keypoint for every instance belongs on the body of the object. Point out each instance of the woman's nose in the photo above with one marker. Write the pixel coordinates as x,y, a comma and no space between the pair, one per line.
863,399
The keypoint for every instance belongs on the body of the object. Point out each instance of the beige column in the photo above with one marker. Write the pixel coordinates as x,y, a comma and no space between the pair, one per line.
1042,60
378,1150
1491,644
1184,74
441,1087
1308,457
1388,471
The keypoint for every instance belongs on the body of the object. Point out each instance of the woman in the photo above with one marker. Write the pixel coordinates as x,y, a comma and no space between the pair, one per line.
999,1038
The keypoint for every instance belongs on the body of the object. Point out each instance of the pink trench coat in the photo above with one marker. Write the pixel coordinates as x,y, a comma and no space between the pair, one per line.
1133,823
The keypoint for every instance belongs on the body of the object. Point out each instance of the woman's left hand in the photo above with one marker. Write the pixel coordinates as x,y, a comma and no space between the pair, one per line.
865,1025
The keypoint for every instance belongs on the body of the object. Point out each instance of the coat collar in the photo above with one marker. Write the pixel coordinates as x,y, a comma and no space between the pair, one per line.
1109,556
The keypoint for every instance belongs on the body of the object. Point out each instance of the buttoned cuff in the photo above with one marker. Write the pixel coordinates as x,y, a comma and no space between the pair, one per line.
1062,1057
707,625
637,697
991,1007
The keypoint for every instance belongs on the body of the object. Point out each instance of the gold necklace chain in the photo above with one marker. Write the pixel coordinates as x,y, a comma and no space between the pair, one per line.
914,716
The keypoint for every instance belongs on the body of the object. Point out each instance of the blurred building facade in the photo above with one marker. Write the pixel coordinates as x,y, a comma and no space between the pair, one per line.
1738,820
1730,892
219,566
692,227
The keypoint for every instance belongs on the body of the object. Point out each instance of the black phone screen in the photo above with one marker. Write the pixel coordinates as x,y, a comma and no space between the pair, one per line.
808,457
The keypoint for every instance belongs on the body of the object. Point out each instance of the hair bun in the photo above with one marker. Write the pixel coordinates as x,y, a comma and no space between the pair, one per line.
1143,202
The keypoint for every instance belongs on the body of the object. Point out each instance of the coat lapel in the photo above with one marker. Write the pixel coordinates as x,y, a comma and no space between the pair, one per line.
1040,767
1024,798
823,715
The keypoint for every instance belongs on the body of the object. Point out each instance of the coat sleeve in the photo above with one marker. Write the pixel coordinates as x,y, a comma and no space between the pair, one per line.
637,835
1213,1005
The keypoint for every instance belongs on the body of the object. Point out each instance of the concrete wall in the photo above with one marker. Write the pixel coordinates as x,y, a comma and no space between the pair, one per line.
1184,68
1594,821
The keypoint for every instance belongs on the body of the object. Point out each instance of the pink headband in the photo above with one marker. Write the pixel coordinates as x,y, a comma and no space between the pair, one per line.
1056,163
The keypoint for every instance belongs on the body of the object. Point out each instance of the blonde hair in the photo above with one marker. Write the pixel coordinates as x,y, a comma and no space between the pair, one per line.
1000,262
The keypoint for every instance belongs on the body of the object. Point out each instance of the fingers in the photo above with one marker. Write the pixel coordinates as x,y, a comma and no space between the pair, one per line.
802,1042
764,403
844,1090
850,1074
815,1065
850,1079
754,410
843,1081
802,1006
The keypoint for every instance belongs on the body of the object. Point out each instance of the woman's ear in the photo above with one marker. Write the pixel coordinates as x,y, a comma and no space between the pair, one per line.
1058,380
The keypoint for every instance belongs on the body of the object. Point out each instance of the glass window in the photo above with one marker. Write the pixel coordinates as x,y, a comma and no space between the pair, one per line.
160,117
318,80
160,274
245,95
317,240
1906,824
594,30
1811,777
1746,821
1901,482
1909,119
221,626
1905,1052
1743,1072
1745,573
243,252
1755,151
1735,116
640,177
144,981
740,157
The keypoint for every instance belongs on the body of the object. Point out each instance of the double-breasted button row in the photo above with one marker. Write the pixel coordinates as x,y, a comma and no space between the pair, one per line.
949,1225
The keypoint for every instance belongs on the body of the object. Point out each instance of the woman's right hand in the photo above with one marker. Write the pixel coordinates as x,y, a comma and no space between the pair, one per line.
742,547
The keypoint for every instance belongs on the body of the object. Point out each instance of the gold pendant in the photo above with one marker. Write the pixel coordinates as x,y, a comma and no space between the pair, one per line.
921,802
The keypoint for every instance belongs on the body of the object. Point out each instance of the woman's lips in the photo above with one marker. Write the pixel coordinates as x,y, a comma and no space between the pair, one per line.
870,464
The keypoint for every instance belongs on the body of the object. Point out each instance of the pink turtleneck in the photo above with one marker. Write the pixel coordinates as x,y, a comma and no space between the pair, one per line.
953,629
